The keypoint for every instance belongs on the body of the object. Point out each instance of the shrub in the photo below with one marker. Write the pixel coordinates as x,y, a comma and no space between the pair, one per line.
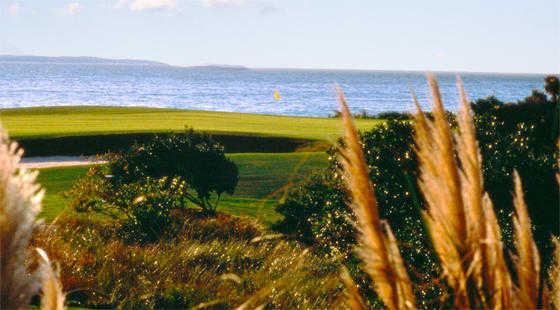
321,202
148,207
146,186
512,136
389,115
315,212
392,115
552,87
90,193
521,136
194,157
461,220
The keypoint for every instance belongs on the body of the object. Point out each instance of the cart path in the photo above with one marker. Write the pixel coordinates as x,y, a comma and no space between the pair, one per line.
58,161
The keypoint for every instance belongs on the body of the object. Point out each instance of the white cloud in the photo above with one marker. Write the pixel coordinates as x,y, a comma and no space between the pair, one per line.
74,8
263,6
215,3
141,5
15,9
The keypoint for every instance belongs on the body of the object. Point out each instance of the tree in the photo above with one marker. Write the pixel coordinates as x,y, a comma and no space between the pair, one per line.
552,87
193,157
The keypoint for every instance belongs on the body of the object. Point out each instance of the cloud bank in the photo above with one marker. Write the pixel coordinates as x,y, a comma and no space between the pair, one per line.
148,5
144,5
215,3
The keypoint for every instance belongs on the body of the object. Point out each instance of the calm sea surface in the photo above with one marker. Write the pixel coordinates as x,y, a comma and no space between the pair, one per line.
303,92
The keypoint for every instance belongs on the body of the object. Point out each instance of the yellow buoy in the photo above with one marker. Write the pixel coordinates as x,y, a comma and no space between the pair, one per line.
277,95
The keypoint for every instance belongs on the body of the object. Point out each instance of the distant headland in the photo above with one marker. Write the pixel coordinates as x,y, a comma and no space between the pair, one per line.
81,60
77,60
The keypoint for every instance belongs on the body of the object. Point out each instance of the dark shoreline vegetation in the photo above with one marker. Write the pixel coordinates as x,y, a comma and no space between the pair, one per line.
131,214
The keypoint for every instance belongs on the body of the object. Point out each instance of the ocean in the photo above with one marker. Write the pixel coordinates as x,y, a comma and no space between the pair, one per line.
300,92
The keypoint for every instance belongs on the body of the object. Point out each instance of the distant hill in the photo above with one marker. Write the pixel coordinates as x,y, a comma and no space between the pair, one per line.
219,67
78,60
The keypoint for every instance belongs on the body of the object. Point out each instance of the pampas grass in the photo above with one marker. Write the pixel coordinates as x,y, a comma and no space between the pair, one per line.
20,202
378,248
459,215
53,298
554,277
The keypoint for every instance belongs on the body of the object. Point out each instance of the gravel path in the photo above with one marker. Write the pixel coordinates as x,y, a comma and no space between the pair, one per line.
57,161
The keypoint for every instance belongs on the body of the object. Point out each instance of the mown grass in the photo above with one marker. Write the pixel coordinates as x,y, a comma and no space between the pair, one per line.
264,180
56,181
79,121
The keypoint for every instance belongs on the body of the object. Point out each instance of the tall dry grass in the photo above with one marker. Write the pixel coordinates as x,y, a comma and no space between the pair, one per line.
554,276
378,248
459,216
20,202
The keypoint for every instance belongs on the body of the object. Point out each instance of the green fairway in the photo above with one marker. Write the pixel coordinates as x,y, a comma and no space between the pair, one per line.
264,179
79,121
55,181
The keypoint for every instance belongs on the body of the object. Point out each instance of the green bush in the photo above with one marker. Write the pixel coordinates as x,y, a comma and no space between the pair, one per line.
512,136
145,187
521,136
91,193
194,157
321,202
316,212
148,207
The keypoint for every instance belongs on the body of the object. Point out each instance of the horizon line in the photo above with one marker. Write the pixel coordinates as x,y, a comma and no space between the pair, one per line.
237,66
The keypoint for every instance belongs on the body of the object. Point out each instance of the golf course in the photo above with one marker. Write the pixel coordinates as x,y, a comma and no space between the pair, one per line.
83,121
264,177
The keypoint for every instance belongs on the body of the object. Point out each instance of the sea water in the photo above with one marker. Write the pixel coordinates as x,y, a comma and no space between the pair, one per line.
266,91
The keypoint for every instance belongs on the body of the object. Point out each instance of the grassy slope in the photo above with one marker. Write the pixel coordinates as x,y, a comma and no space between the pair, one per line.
55,181
76,121
264,179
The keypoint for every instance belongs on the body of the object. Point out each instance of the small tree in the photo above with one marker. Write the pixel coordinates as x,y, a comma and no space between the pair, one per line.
193,157
552,87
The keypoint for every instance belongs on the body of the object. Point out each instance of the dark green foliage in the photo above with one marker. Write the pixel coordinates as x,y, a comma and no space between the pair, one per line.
90,193
512,136
148,185
518,136
195,158
391,115
315,212
176,297
148,207
552,86
521,136
322,201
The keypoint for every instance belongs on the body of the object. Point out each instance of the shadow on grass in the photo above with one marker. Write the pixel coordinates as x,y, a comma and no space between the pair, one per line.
98,144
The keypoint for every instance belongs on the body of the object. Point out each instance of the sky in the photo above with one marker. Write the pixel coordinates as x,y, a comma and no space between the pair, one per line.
474,35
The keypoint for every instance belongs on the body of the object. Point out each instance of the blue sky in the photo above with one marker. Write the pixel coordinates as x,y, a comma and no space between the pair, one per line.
474,35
